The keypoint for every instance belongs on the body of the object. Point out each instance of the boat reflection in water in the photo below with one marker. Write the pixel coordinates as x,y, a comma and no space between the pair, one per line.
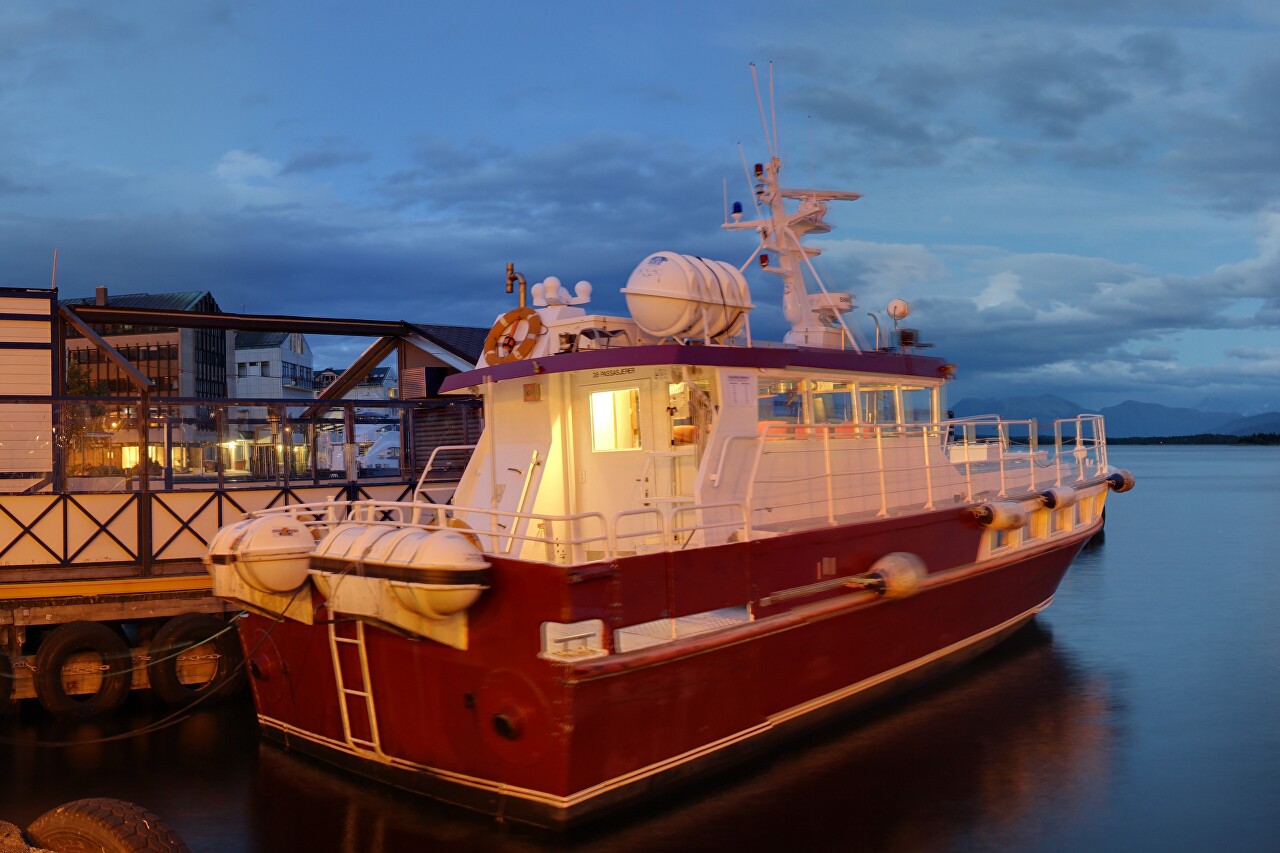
1002,751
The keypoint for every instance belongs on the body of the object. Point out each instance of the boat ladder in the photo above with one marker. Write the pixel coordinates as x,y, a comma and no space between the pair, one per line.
351,664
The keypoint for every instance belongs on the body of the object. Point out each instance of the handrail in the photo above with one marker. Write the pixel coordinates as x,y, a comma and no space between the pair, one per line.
906,468
714,478
431,461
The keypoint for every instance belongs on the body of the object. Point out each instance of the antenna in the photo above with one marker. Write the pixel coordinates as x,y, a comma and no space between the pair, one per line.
53,285
773,109
751,189
764,122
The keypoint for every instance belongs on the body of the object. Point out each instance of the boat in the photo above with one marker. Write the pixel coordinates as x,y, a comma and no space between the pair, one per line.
673,547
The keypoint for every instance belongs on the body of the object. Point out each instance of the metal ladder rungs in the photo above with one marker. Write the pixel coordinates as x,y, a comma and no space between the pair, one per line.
346,694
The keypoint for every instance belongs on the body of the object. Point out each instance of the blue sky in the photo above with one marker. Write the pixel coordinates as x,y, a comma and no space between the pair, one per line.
1079,197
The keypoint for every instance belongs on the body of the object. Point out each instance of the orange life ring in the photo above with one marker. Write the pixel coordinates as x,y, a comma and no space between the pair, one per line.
502,346
465,529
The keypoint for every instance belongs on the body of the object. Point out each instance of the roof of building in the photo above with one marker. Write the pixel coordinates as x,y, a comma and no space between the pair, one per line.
260,340
188,300
466,342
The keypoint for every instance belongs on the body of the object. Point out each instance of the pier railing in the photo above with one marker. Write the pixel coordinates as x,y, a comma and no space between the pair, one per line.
108,484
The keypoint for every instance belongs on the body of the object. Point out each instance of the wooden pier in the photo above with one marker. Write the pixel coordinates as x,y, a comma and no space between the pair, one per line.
110,494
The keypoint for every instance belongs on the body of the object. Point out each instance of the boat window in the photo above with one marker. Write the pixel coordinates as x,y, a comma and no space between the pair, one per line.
615,419
878,404
780,400
833,402
917,405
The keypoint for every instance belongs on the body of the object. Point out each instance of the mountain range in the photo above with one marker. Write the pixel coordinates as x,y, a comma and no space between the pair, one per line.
1129,419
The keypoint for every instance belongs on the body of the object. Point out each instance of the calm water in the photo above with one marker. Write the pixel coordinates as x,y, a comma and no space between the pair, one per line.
1140,712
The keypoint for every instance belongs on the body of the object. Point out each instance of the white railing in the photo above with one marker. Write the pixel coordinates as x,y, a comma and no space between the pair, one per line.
564,539
797,476
421,488
807,473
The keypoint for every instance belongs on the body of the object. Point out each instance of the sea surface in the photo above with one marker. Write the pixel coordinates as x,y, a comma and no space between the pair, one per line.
1141,711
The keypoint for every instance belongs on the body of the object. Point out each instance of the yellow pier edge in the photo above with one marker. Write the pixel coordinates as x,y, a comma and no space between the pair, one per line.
112,586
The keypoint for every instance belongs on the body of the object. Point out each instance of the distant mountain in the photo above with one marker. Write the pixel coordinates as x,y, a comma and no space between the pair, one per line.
1045,408
1130,419
1263,423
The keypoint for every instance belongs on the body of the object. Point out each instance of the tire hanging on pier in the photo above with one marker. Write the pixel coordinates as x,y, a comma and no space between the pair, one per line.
113,826
71,639
6,681
182,634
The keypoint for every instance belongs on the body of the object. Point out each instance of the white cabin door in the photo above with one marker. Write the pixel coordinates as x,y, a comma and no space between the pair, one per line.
613,430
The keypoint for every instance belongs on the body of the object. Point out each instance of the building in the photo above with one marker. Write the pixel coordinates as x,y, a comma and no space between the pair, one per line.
273,365
189,363
181,362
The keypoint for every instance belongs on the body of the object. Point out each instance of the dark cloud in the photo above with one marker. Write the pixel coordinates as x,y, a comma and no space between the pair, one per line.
889,135
1109,154
591,209
1230,157
1115,10
8,186
1156,56
330,154
600,190
927,86
1055,88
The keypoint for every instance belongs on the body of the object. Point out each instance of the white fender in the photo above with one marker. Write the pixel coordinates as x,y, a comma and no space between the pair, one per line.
900,573
1001,515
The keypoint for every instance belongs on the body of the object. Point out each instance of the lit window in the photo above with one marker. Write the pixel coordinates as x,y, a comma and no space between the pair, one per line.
615,419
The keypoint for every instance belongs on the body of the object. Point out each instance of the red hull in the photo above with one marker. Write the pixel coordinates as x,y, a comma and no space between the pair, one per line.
499,729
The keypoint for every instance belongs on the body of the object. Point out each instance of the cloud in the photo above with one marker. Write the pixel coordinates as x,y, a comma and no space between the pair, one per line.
8,186
329,154
244,167
1229,155
1054,86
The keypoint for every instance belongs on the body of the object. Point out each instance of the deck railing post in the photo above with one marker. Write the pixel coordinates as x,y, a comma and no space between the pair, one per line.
884,489
1002,444
826,459
928,470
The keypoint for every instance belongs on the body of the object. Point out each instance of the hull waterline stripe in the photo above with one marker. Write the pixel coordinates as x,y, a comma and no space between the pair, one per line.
773,721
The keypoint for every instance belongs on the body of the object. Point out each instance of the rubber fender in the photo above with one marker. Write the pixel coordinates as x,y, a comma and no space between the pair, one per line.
6,680
101,823
1059,497
1120,480
73,638
183,633
1001,515
900,574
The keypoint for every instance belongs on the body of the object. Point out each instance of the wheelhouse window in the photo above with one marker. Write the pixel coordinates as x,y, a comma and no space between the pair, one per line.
917,405
833,402
878,404
780,400
615,420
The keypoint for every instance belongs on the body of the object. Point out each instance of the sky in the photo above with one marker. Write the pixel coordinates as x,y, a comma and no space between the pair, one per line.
1076,197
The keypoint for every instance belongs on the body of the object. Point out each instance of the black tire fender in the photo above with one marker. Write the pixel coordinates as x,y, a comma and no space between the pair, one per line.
6,680
73,638
187,631
113,826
